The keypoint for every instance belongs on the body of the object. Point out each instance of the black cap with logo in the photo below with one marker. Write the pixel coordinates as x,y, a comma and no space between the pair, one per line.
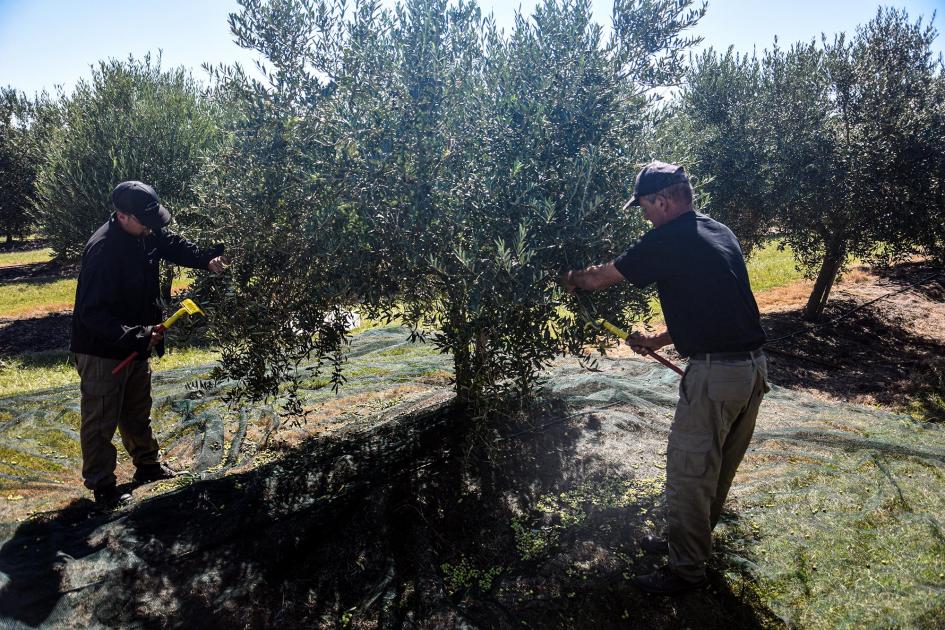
654,177
140,200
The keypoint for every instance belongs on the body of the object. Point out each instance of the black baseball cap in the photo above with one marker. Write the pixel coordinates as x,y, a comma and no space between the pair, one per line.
654,177
139,199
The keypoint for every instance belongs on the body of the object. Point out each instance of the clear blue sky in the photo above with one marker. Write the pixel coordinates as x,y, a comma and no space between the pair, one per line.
48,42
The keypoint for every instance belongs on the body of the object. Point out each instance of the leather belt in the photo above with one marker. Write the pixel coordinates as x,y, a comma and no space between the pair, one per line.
745,355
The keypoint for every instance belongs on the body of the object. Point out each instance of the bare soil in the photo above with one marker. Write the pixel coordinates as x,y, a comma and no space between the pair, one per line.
888,353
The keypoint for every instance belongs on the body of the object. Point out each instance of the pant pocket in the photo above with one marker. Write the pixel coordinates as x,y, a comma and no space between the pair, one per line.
688,454
731,383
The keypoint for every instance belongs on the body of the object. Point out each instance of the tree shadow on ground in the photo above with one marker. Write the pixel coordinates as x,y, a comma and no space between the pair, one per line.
869,355
910,273
34,340
36,273
408,525
22,244
35,334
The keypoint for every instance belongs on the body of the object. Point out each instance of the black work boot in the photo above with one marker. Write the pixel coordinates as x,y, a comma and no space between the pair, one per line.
665,581
652,543
110,497
154,472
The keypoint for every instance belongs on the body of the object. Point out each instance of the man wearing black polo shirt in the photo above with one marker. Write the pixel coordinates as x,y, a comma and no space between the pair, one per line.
711,318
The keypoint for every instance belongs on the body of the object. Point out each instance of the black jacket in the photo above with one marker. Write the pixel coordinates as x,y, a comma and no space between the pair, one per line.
117,298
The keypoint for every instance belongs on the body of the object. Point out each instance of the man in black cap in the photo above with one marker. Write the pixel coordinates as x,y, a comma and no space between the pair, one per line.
711,318
116,310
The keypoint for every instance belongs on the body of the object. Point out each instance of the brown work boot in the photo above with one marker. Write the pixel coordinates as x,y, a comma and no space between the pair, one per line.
652,543
665,581
154,472
110,497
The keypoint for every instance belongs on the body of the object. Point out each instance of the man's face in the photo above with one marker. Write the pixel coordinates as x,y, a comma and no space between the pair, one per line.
130,224
654,208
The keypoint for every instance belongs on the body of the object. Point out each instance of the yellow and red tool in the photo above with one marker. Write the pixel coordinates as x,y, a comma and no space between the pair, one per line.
187,307
624,335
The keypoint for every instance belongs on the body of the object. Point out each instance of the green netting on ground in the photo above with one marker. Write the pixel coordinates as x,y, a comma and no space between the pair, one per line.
841,508
836,515
39,445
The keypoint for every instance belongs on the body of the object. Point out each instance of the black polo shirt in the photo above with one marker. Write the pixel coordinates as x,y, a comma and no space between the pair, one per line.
700,275
117,296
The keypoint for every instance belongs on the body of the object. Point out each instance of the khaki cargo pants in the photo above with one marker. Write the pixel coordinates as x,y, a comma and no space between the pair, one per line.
110,401
714,422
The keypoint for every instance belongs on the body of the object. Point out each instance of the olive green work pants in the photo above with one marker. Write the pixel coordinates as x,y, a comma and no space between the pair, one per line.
713,424
111,401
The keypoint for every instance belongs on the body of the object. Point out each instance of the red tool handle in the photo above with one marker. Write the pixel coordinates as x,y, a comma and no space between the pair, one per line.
131,357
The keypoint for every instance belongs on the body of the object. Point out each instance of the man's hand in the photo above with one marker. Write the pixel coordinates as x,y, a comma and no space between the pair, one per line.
567,282
217,265
156,337
642,343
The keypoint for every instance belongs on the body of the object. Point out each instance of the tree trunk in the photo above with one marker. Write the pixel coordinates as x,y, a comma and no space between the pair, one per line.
833,259
470,358
167,280
456,330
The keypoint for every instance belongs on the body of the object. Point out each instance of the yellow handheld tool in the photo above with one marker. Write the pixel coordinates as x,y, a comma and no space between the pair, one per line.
187,307
624,335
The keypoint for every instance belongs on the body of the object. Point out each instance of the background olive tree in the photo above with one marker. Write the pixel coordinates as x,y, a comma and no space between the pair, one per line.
416,163
17,163
131,120
829,145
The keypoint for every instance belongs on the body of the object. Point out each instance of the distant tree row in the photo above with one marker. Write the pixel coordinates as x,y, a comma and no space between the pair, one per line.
837,147
417,163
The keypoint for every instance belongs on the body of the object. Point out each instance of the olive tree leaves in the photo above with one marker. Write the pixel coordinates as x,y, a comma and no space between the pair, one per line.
416,163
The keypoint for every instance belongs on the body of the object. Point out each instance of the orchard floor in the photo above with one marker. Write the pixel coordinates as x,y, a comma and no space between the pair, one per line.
383,510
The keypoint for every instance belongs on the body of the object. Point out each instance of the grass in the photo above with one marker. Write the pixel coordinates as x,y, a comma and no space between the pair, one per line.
35,371
26,257
42,295
23,299
770,267
184,357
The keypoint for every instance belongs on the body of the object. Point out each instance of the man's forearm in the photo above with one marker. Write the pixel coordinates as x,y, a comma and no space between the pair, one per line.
643,342
594,278
663,339
179,251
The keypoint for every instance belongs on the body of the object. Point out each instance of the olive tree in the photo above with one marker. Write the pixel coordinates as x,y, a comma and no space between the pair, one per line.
17,163
417,163
828,144
131,120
